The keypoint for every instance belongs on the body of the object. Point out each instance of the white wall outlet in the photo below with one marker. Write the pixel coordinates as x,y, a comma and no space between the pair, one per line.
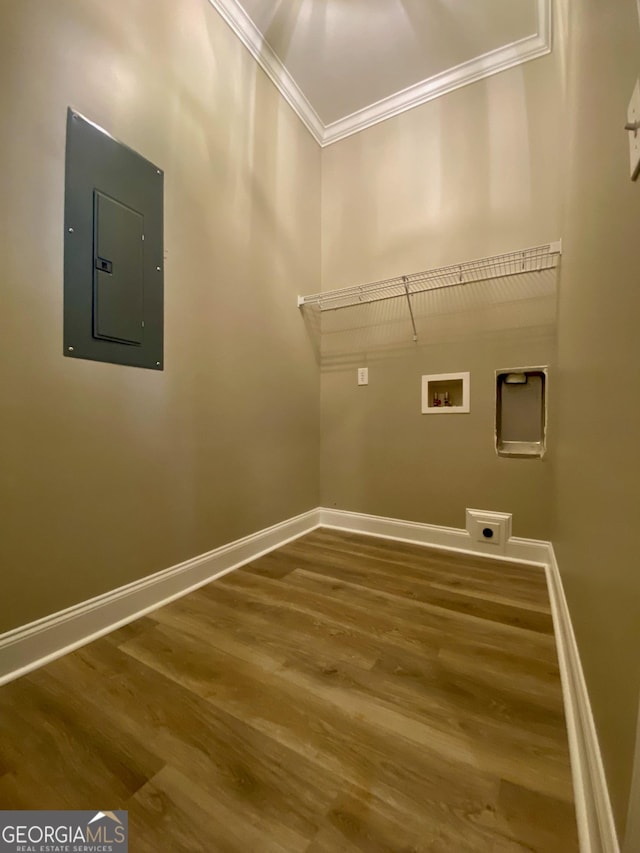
363,376
633,129
489,531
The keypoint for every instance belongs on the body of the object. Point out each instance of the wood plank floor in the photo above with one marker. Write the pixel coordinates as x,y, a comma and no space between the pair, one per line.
343,693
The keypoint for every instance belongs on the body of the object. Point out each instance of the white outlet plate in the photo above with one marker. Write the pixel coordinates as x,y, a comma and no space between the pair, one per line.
633,115
499,523
363,376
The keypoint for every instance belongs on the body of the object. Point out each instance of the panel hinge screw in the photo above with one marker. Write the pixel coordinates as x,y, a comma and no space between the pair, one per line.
158,268
70,349
70,230
157,364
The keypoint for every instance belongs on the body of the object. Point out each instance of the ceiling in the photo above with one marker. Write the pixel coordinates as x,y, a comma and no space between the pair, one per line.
344,65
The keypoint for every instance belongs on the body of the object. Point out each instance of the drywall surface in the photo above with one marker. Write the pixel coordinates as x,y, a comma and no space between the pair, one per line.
109,473
471,174
597,405
380,455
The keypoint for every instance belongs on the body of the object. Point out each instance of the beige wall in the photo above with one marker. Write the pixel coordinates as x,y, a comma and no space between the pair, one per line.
471,174
109,473
597,405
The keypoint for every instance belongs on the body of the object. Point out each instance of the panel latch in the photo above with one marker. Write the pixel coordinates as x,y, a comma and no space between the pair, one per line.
104,265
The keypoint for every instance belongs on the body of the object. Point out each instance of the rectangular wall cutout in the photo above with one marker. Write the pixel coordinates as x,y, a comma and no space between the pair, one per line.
113,251
445,393
521,411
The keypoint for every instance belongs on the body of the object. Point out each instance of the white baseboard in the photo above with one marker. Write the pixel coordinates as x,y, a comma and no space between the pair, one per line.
40,642
524,551
596,827
30,646
34,645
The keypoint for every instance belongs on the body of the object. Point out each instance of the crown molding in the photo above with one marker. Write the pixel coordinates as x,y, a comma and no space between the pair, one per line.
447,81
235,16
508,56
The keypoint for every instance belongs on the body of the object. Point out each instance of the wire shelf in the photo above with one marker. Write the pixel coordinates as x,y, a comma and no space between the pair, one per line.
530,260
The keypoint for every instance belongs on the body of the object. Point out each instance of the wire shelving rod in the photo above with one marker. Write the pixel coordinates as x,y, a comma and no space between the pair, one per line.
535,259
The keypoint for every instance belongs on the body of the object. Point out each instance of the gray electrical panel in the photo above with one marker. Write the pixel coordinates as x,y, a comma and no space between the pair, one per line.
113,251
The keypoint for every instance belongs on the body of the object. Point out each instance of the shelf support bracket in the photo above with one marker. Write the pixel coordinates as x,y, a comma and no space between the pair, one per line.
413,322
